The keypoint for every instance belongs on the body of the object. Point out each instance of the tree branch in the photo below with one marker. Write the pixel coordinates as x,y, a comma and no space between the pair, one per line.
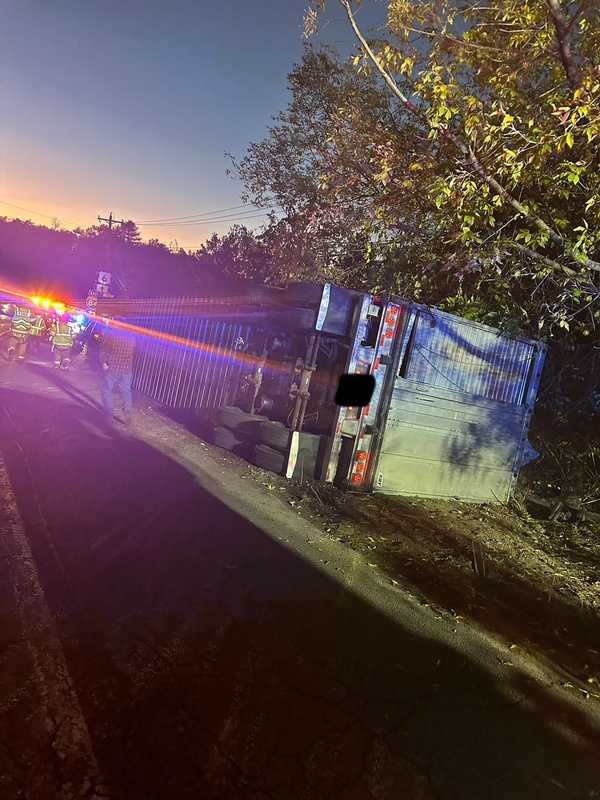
556,266
460,42
563,35
467,151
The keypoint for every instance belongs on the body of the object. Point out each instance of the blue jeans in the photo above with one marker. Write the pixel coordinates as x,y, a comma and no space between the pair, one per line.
123,382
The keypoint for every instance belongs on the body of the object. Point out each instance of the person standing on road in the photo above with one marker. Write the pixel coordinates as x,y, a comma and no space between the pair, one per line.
38,333
116,357
62,342
19,333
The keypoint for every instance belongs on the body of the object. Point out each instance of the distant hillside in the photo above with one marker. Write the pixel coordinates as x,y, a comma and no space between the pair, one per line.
63,263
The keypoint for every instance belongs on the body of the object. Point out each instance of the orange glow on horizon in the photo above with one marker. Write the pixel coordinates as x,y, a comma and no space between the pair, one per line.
70,218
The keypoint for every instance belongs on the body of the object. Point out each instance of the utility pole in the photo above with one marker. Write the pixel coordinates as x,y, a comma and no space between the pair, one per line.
110,221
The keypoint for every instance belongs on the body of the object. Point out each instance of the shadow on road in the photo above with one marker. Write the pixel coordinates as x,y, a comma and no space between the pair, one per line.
213,662
57,378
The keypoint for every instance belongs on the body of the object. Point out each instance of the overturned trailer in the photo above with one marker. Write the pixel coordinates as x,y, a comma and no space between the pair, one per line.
449,416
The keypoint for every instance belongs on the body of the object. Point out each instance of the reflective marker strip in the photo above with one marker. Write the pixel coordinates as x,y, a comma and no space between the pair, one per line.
393,315
323,307
293,454
360,466
360,332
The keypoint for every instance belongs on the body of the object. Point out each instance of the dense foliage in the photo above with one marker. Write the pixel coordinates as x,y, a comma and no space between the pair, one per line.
237,255
455,158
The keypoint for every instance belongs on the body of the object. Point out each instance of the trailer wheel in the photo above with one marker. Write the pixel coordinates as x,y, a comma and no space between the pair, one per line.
277,436
225,438
273,434
268,458
205,416
232,417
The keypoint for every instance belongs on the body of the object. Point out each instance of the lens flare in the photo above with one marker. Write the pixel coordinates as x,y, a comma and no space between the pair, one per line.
248,360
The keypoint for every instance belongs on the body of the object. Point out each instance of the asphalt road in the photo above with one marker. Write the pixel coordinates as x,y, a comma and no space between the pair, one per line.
171,629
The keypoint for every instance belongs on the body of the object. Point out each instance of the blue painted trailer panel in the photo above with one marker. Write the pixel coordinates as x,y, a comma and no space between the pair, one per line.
459,410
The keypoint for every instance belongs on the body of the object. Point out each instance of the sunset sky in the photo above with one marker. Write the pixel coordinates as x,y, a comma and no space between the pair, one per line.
130,105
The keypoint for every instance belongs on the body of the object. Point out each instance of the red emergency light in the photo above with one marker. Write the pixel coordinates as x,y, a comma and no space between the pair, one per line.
48,304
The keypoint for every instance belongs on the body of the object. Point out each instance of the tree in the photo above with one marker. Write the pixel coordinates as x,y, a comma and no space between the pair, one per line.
129,232
505,98
239,254
319,164
64,264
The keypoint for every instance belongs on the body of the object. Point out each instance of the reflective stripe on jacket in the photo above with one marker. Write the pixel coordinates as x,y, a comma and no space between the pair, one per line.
62,336
38,326
21,323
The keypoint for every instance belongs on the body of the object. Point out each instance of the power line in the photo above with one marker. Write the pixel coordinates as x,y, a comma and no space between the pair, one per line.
191,220
230,218
204,218
111,221
29,210
199,214
207,218
207,215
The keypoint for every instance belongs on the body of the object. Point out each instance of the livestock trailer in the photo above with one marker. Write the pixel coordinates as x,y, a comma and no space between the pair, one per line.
453,398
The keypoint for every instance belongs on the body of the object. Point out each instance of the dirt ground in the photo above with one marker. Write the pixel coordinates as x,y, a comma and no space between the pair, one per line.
535,583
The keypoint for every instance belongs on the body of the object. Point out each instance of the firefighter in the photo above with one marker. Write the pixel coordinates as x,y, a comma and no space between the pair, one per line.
62,341
38,332
20,331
